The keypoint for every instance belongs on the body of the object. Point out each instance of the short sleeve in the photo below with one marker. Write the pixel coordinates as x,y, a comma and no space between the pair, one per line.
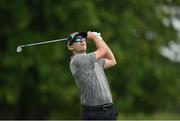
84,59
101,62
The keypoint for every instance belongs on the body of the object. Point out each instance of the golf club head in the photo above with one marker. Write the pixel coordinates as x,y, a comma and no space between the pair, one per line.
19,49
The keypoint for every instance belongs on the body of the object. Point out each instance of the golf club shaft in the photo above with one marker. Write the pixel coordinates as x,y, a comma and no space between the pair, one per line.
45,42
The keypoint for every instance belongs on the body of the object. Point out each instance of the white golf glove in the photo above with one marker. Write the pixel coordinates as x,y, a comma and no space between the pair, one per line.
98,35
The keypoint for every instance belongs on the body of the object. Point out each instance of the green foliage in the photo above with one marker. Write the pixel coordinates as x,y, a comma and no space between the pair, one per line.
37,83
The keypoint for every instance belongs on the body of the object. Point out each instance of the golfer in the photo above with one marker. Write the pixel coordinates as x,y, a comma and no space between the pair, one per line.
88,71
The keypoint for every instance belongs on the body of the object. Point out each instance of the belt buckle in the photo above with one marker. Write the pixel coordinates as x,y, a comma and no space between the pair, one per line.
105,107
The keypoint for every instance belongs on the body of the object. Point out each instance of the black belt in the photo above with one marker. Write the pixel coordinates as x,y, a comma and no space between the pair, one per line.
98,107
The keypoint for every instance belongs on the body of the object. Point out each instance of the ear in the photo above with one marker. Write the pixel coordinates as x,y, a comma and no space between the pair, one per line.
71,48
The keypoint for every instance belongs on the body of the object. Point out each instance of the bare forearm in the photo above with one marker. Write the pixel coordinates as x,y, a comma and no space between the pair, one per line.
109,58
103,51
109,55
100,45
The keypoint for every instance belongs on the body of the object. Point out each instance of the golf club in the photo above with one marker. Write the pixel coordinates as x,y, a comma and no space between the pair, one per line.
19,48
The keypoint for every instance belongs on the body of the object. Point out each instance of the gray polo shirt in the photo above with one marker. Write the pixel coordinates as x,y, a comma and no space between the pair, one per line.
91,80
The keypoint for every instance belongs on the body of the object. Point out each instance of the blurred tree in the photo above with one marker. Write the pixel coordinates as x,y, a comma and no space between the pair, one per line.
37,83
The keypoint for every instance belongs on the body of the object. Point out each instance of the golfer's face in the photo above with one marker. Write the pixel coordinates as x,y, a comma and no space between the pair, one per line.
80,46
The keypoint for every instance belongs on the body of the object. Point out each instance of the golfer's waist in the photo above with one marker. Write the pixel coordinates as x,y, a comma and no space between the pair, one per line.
98,107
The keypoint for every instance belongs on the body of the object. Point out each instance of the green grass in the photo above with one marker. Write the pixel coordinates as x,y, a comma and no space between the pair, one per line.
157,116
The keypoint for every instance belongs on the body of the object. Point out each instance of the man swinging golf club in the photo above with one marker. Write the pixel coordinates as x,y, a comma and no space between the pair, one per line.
88,71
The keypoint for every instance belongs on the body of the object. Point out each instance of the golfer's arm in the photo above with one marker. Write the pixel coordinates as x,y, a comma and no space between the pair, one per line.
110,60
101,48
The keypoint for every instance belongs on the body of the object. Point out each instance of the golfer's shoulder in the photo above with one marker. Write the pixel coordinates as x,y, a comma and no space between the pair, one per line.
83,58
75,59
